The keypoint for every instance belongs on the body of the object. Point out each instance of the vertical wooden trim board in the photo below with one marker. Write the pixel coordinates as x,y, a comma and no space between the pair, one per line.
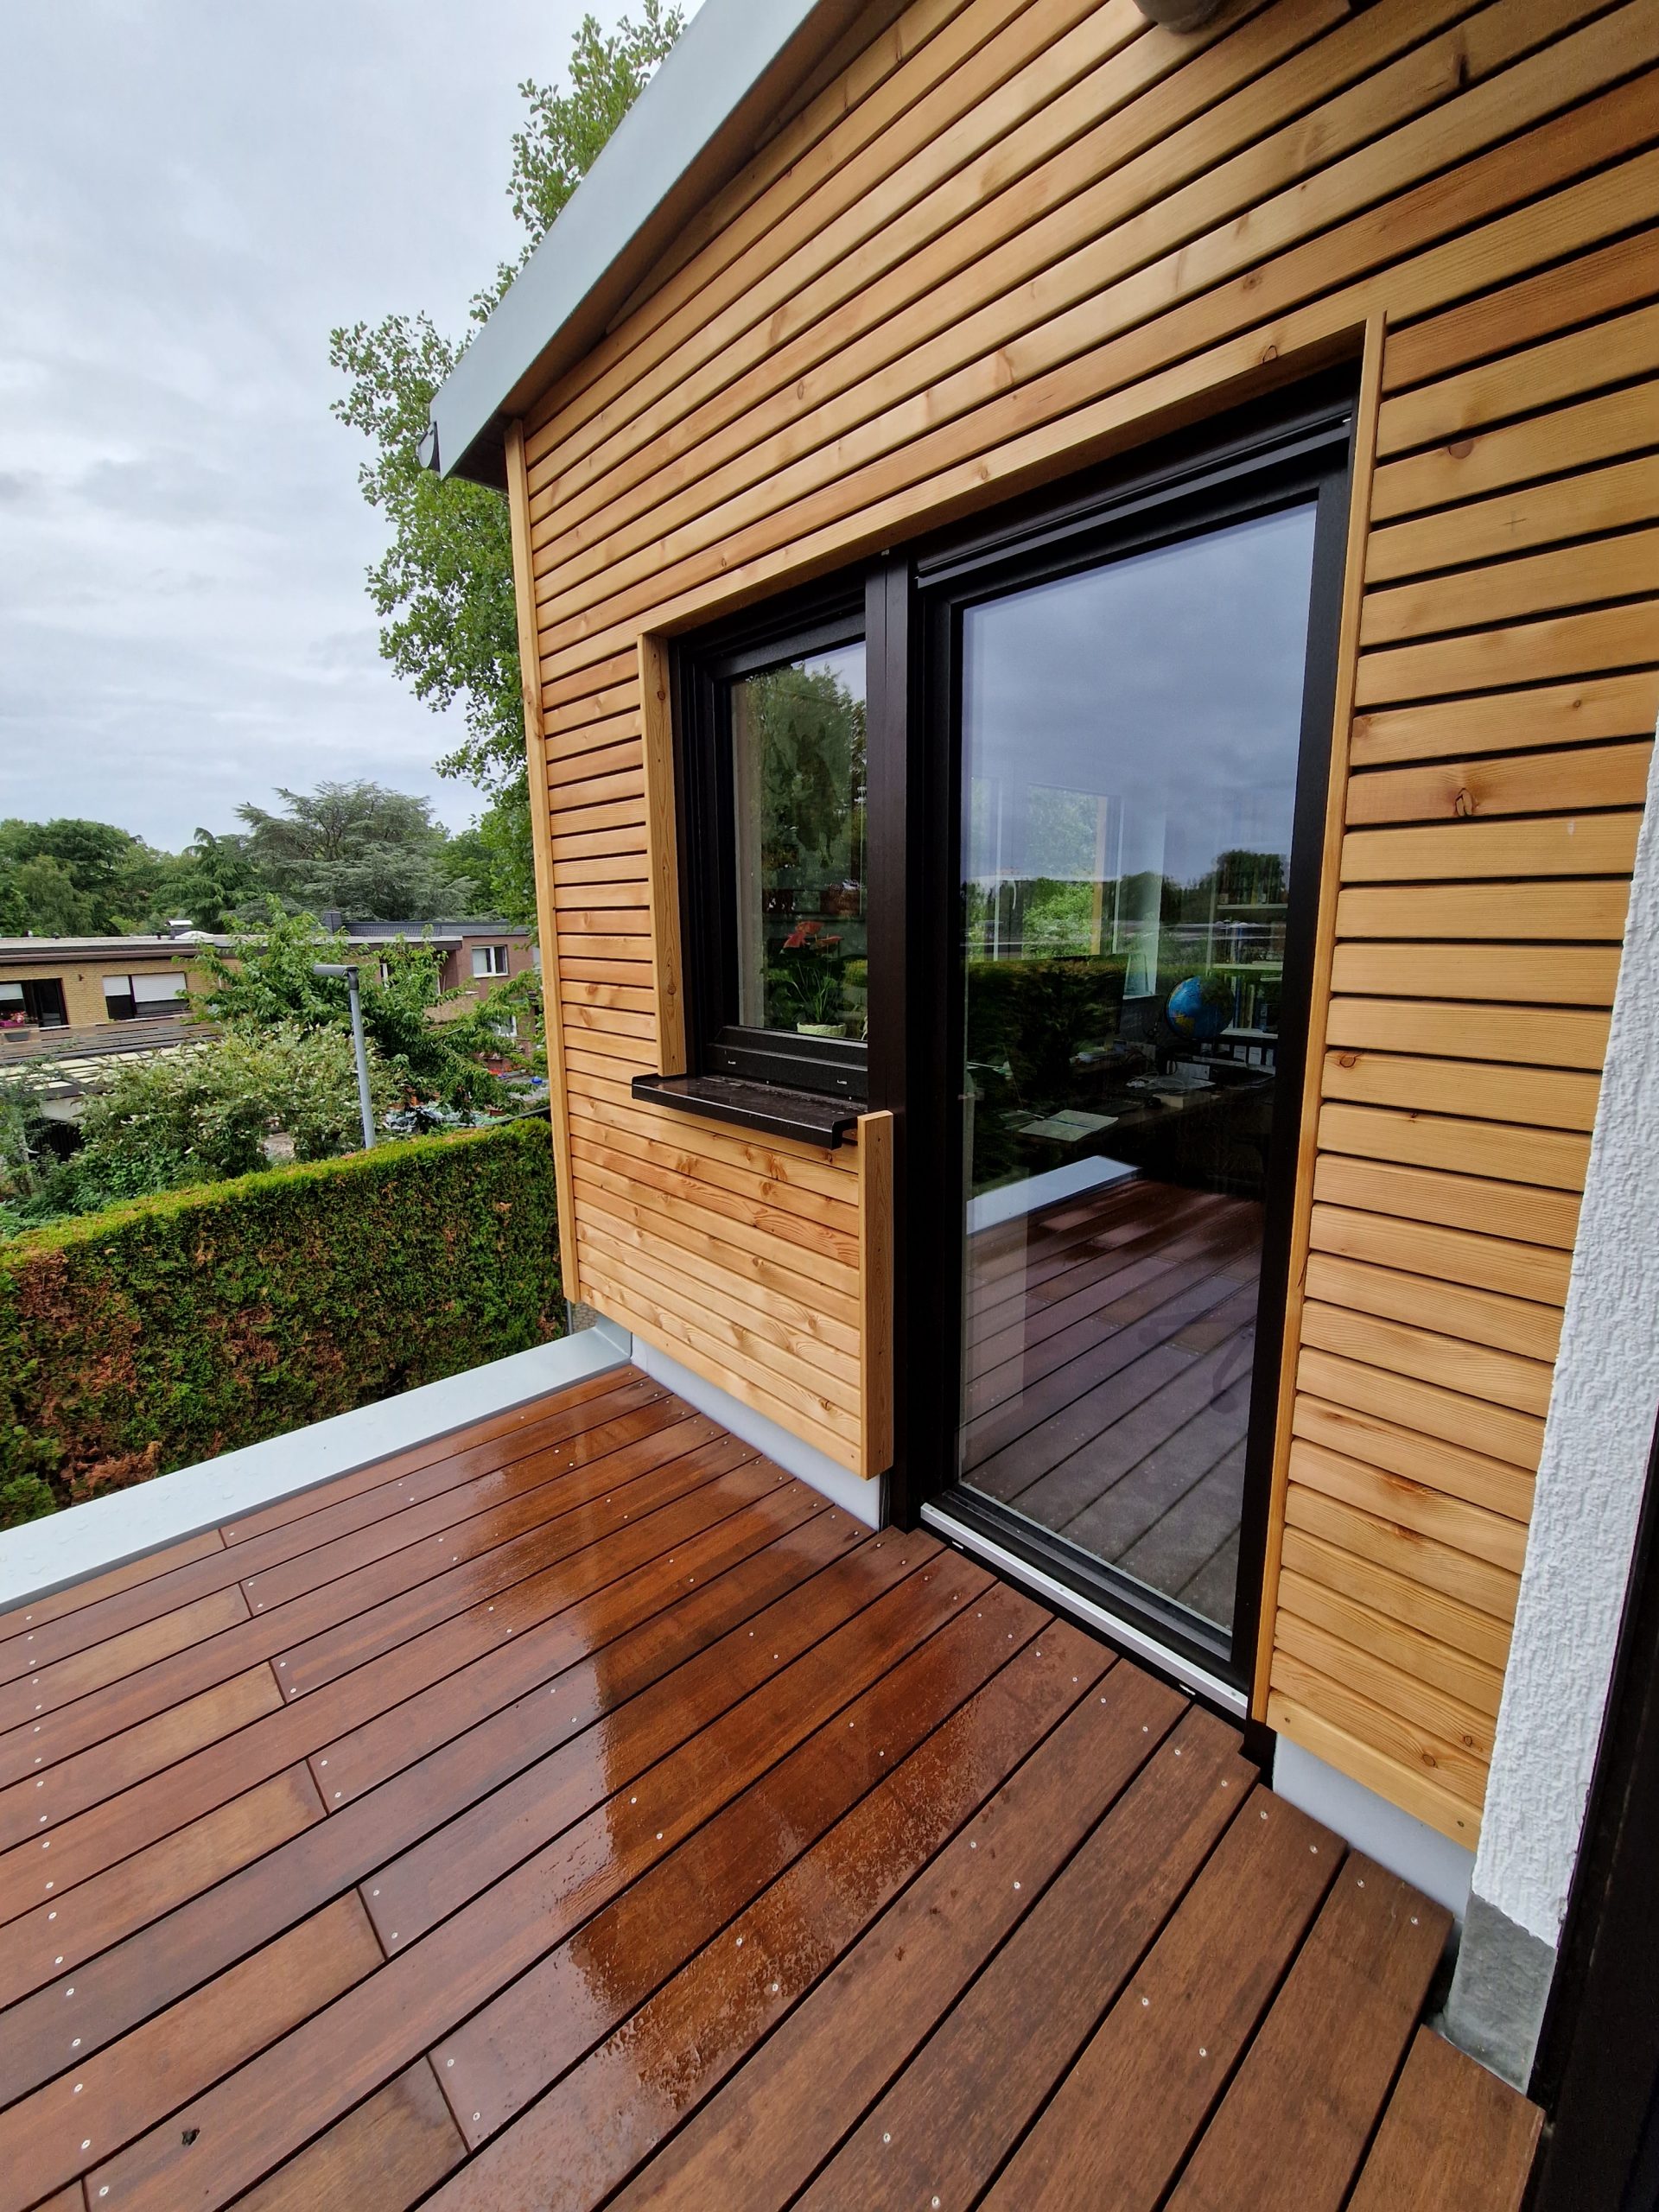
875,1289
1001,244
1363,461
662,853
547,919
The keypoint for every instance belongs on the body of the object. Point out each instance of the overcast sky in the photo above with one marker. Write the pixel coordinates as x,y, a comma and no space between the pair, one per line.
191,195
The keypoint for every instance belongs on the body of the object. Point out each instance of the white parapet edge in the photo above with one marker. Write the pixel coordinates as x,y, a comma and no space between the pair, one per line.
82,1540
865,1500
1419,1854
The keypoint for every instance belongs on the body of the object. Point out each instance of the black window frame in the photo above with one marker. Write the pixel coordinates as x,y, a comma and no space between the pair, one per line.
1294,448
704,665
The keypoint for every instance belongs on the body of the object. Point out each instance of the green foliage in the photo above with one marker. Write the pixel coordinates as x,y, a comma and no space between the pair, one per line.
357,848
189,1325
26,1165
72,878
443,589
268,978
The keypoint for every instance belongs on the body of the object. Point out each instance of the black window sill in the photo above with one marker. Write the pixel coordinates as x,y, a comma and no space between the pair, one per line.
806,1115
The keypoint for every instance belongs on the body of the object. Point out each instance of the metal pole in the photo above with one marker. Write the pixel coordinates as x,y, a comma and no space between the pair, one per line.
363,1099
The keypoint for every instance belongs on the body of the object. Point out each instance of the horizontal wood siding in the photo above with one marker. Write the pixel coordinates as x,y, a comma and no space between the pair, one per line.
1006,242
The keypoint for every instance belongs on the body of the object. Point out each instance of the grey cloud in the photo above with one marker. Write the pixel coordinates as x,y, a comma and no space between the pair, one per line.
191,196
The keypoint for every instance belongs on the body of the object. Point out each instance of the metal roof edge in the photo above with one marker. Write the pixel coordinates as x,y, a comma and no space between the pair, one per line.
697,122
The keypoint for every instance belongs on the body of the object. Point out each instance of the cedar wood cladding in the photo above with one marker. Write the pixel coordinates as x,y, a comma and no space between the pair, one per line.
1011,239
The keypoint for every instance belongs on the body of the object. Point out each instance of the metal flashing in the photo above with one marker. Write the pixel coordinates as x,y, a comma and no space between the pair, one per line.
733,69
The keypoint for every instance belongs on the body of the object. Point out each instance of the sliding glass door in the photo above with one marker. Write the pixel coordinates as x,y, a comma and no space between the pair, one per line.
1127,706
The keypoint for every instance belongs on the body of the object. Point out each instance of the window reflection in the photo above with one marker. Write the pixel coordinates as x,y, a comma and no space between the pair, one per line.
1129,750
799,790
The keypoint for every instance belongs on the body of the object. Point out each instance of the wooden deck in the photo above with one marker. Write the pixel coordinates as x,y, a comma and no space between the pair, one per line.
581,1811
1110,1341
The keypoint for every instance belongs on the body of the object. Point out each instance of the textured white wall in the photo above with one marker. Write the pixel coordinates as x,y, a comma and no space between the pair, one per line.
1596,1443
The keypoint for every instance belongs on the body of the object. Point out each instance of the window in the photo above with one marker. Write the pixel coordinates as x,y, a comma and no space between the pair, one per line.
38,1003
777,908
489,960
141,998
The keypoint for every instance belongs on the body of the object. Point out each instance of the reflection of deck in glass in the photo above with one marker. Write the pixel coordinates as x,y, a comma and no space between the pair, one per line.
1110,1343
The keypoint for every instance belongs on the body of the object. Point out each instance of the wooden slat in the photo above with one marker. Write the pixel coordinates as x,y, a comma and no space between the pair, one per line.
1531,782
1164,2052
591,2130
1452,1596
1551,1159
1295,2124
1476,1685
1452,2135
541,833
1573,974
875,1235
962,2103
1567,713
1394,1464
1522,381
1598,500
1497,1209
1449,1255
1481,909
1580,290
1581,436
394,2148
1511,1324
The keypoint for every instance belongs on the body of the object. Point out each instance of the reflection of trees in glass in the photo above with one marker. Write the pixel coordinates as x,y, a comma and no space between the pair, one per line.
810,732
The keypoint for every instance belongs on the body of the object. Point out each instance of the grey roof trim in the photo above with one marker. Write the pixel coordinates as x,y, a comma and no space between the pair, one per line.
697,121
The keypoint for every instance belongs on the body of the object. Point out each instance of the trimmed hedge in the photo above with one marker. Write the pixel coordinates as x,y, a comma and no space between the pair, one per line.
163,1332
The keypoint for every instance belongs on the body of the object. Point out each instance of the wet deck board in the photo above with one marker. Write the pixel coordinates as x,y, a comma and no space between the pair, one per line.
581,1810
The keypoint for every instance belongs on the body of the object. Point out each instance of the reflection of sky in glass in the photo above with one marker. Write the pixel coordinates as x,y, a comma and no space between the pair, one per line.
1169,681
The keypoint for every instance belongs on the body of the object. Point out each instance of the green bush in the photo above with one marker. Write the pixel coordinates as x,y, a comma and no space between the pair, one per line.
171,1329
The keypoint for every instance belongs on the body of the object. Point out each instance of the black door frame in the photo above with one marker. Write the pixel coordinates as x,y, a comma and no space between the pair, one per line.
1270,457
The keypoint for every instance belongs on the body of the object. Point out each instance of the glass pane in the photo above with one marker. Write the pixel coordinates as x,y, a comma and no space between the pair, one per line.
798,797
1129,751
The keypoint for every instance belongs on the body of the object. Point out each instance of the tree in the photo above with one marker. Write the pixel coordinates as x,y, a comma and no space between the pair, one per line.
218,880
266,979
444,588
75,877
357,848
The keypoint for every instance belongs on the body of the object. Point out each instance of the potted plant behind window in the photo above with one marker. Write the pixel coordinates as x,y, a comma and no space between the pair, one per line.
812,980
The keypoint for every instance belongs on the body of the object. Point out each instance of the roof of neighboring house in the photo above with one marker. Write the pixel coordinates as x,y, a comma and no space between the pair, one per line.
43,951
730,75
374,932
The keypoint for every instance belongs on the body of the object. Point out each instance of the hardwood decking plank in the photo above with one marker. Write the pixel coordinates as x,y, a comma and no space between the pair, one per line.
172,1737
761,2138
203,1937
111,1604
326,1631
567,1411
102,2101
250,2123
1293,2128
64,1679
836,1637
129,1895
36,1613
1452,2135
390,2151
587,1467
547,2021
952,2116
596,2124
158,1803
1121,2122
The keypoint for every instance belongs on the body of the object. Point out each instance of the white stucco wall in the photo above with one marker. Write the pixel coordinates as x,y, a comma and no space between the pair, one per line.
1597,1439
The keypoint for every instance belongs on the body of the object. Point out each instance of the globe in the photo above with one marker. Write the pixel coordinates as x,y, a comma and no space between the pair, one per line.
1192,1015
